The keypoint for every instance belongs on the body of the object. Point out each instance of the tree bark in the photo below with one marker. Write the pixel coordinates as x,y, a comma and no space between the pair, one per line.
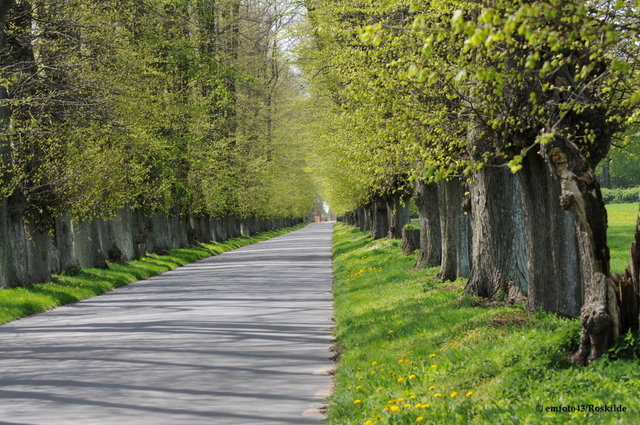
380,223
368,217
498,260
397,214
410,240
455,231
426,199
566,244
362,218
553,266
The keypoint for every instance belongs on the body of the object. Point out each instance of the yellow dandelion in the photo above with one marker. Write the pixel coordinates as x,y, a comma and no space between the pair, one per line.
453,394
394,408
379,388
437,395
357,401
434,366
432,355
468,393
407,405
390,332
401,379
419,418
431,388
368,422
374,363
399,399
359,387
373,372
412,376
412,397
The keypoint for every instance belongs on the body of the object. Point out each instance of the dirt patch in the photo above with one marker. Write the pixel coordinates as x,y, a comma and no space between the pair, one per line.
510,319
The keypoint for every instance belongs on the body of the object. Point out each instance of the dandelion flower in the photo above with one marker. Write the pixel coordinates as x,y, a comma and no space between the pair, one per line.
468,393
368,422
453,394
357,401
374,363
419,418
401,379
432,355
431,388
437,395
412,376
390,332
394,408
434,366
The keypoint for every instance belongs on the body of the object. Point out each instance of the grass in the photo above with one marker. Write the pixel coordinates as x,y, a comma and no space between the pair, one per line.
64,289
414,350
621,232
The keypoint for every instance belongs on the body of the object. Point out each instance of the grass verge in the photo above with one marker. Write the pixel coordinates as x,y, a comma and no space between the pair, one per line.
64,289
415,351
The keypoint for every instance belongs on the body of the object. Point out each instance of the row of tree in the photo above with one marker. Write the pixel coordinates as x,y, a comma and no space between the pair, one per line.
129,126
494,115
160,105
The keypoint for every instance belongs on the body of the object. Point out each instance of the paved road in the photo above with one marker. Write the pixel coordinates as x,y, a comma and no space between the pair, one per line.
240,338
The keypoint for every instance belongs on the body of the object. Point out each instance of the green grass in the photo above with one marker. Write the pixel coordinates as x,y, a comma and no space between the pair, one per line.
620,234
64,289
413,347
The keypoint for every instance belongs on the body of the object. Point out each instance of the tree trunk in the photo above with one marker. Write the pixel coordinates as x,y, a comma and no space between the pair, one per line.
627,288
553,265
606,175
362,218
397,214
368,217
380,224
410,240
455,231
498,260
426,199
563,195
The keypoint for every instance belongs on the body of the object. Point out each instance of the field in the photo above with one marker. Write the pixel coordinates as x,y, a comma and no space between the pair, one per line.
414,350
620,234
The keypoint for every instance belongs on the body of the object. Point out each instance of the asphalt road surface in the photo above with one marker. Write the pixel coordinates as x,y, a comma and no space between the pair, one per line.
241,338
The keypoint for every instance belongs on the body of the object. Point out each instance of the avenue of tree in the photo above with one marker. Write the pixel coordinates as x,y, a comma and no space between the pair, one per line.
493,116
148,124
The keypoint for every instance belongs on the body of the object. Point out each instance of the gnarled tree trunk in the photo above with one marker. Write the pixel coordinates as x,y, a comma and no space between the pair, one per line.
426,199
565,184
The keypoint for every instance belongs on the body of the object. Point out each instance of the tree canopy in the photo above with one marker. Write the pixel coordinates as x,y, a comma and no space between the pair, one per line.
174,106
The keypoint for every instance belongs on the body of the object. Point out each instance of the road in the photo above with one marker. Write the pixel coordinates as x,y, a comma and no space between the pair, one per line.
241,338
